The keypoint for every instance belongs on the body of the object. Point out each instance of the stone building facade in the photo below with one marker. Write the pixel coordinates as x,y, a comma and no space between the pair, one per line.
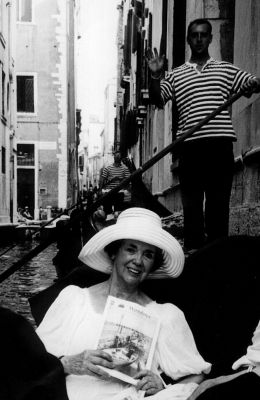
7,114
143,130
45,84
107,145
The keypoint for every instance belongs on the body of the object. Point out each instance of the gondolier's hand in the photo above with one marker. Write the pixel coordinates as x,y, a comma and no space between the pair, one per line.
149,382
155,62
87,363
251,86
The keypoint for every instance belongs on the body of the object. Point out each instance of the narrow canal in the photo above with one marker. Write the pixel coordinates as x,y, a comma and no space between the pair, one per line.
33,277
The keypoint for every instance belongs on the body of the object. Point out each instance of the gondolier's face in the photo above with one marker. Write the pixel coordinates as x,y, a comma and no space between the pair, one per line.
199,38
133,261
117,157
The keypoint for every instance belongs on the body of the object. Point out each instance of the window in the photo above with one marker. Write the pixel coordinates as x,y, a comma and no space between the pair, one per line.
81,163
25,94
25,154
43,191
24,10
8,96
3,93
3,160
4,15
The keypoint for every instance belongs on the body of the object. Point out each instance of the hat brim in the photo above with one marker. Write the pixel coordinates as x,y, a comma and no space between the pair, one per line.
93,254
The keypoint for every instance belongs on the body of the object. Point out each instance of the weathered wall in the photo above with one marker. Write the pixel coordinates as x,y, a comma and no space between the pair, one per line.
7,114
109,122
245,211
46,48
72,182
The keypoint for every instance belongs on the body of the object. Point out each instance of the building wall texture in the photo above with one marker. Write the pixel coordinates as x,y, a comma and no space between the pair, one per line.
7,113
245,205
45,48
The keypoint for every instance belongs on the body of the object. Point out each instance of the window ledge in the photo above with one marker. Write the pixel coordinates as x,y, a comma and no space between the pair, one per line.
26,23
26,115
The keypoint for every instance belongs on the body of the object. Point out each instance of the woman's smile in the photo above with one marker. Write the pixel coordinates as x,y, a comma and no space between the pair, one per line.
134,271
133,261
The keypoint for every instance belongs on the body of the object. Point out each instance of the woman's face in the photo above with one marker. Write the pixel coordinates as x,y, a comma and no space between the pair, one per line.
133,261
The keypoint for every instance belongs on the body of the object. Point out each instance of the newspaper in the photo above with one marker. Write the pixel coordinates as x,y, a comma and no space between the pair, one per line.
129,333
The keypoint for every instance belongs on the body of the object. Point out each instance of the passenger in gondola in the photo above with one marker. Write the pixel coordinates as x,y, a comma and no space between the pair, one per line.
26,213
29,372
130,251
20,218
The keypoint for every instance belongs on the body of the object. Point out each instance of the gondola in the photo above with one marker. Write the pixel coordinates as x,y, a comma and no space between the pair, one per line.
85,215
212,288
218,289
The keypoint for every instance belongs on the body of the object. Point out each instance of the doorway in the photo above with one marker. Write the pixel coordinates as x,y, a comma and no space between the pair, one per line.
26,188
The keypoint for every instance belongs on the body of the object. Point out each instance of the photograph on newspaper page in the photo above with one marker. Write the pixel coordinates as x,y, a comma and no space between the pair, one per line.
129,333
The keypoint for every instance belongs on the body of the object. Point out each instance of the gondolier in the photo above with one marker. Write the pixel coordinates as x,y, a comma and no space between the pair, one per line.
206,158
111,176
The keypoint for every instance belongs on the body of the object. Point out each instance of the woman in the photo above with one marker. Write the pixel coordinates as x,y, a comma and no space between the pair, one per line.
133,249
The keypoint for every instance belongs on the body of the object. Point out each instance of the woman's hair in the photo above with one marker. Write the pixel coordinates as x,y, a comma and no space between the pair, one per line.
112,248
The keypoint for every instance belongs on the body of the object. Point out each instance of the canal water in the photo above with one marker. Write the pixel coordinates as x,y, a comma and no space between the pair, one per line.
33,277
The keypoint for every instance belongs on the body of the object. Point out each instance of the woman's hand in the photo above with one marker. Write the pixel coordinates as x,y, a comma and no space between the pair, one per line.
149,382
87,363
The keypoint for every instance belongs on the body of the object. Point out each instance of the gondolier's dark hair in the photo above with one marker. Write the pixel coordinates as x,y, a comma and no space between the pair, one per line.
112,248
199,21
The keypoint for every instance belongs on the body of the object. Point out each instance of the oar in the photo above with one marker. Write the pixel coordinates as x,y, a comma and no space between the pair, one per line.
171,147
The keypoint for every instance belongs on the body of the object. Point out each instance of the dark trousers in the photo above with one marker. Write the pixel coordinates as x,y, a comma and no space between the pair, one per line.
205,173
117,201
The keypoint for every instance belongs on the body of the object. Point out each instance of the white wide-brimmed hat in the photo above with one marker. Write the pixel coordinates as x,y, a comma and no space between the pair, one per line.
138,224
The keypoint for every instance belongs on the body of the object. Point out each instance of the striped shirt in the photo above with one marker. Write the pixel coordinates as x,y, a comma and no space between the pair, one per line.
113,175
197,94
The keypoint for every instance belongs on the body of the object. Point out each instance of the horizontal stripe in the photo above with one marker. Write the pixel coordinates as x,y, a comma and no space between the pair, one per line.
113,175
197,94
218,134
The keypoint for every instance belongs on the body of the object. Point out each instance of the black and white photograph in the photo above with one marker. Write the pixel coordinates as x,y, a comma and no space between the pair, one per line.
129,199
129,334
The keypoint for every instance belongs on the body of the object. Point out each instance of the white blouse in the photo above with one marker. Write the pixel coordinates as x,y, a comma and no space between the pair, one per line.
71,324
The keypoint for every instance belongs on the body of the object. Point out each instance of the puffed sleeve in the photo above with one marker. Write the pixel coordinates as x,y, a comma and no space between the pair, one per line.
176,351
252,356
59,321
